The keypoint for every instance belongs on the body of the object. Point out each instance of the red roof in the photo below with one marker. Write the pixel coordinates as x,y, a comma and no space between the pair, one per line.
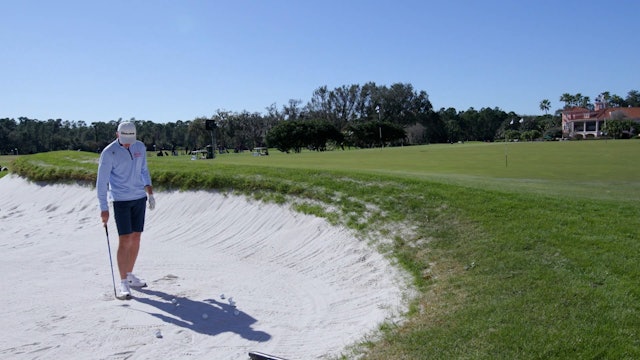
632,113
576,109
629,112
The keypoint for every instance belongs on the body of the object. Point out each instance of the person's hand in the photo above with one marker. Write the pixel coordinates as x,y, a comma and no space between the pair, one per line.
152,202
105,217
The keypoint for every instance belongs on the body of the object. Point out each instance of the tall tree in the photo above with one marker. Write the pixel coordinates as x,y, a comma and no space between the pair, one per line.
319,107
584,101
617,101
545,105
403,105
452,124
292,111
342,101
568,100
605,97
633,98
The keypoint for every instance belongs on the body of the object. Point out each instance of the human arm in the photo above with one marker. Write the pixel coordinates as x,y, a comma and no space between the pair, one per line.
148,188
102,184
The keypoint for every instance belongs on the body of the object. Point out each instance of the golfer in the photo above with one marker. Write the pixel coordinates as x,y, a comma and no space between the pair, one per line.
123,172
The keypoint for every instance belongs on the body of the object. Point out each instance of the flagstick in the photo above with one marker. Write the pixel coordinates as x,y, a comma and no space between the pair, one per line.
505,146
505,150
506,162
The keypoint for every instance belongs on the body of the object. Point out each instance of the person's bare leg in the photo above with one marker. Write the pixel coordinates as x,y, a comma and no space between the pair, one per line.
135,248
128,253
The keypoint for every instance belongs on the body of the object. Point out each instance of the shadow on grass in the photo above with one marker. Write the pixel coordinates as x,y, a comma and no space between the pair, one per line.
187,313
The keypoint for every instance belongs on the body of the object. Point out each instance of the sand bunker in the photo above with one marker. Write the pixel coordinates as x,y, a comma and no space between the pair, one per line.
303,289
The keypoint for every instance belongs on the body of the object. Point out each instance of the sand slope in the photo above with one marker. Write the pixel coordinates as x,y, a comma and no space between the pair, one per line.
303,289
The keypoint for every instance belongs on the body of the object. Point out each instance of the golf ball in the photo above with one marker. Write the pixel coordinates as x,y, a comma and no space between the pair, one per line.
174,301
236,312
221,296
205,316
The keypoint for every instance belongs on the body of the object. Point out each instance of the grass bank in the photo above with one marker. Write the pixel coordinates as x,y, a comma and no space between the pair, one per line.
523,250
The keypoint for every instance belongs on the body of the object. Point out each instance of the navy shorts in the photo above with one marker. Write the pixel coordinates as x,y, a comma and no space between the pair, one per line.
129,215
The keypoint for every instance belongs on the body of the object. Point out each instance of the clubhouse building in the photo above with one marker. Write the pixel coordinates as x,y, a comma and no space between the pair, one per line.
582,123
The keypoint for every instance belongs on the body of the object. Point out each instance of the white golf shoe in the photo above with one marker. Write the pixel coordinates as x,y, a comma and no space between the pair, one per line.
125,292
133,281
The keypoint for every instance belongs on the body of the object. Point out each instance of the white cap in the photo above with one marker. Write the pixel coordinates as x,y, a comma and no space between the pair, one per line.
127,133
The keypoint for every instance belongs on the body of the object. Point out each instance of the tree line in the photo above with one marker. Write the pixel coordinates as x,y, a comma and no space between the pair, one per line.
610,100
361,116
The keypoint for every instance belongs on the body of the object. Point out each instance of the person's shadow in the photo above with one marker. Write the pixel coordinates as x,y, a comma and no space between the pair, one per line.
221,317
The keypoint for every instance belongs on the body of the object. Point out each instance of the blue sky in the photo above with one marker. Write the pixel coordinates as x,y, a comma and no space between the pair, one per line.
177,60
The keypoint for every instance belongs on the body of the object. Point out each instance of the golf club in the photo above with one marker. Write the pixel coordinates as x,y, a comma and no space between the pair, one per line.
113,278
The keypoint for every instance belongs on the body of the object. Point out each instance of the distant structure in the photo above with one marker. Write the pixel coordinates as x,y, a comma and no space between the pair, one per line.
582,123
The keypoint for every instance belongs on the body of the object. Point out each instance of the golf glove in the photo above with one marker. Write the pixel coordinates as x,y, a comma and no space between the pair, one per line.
152,202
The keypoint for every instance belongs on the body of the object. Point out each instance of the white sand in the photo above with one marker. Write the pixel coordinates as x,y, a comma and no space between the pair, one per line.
303,289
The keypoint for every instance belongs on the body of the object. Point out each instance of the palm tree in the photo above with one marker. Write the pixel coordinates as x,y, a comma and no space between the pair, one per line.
633,98
545,105
583,101
568,100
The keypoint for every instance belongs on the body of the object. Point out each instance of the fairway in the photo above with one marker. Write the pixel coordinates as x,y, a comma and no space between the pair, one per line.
590,169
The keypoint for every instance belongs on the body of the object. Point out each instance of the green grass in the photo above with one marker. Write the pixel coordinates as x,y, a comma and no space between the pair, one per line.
533,259
6,161
553,168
